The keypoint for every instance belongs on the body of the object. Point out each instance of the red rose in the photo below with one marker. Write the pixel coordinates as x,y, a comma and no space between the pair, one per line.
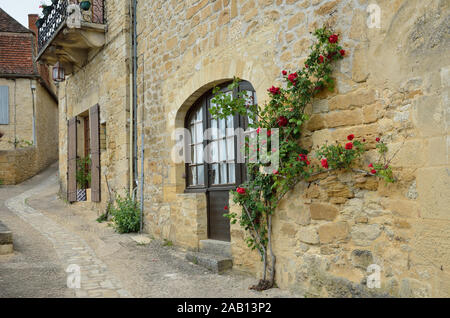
321,59
269,133
225,208
240,191
324,163
274,90
303,157
330,55
377,139
282,121
350,137
306,65
373,171
349,146
292,78
342,52
333,38
371,166
284,73
275,171
258,130
364,140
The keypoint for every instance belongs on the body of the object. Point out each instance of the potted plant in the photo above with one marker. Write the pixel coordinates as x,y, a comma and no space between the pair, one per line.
85,5
83,178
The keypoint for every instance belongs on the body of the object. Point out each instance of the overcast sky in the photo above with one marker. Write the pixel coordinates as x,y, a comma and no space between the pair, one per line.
19,9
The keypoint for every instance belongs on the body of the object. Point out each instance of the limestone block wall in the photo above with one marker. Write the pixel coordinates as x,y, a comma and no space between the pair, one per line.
393,83
20,113
104,80
27,159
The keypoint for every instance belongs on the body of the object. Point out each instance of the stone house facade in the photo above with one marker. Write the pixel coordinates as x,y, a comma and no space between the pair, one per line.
393,84
28,105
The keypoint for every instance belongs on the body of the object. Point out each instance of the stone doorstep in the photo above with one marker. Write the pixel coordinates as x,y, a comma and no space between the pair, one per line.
215,247
216,264
6,240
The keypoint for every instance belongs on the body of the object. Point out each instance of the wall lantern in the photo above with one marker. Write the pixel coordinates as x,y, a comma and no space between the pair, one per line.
58,73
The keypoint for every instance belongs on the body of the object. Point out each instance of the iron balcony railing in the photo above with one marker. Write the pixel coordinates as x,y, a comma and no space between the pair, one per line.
58,15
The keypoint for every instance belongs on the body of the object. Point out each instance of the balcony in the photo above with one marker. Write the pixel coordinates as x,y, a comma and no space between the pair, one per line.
68,33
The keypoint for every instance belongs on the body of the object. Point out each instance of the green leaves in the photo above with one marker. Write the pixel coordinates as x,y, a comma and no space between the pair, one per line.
263,191
126,215
340,156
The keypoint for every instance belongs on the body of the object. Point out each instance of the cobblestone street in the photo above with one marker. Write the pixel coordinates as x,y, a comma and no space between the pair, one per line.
49,235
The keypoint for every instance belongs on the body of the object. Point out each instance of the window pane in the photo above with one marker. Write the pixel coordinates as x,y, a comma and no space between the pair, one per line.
198,132
199,153
215,172
214,129
201,174
231,173
213,147
192,130
199,115
194,175
230,122
230,148
222,128
223,173
223,150
193,155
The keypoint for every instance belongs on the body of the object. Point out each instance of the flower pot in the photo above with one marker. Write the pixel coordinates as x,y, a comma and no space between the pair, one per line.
85,5
81,194
39,22
88,195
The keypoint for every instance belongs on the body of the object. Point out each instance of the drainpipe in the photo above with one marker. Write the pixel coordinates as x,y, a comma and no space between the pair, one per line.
142,144
135,90
33,88
134,110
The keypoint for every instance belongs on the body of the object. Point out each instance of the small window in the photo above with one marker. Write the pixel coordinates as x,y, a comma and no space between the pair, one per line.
103,136
4,105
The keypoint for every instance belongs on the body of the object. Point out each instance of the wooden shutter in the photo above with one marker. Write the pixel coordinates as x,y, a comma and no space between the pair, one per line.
4,105
94,122
72,160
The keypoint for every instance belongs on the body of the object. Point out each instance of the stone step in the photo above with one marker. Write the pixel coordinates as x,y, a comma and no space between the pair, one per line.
215,247
6,240
214,263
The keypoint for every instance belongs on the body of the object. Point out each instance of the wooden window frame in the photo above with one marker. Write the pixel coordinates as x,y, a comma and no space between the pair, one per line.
239,122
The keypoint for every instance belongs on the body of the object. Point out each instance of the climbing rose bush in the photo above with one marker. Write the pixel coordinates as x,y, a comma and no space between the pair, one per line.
261,194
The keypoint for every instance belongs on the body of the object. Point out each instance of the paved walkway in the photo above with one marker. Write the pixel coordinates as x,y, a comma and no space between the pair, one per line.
50,235
95,280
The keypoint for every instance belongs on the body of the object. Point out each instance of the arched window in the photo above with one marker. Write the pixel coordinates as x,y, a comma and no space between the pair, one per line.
213,168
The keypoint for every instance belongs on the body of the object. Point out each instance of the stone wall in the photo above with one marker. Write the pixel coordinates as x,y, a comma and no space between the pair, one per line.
393,83
20,113
105,80
27,159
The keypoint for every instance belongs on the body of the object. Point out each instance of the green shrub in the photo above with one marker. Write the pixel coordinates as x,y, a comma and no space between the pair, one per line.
126,215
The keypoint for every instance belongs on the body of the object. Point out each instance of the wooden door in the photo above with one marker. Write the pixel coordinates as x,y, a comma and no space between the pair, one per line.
94,122
72,160
214,168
